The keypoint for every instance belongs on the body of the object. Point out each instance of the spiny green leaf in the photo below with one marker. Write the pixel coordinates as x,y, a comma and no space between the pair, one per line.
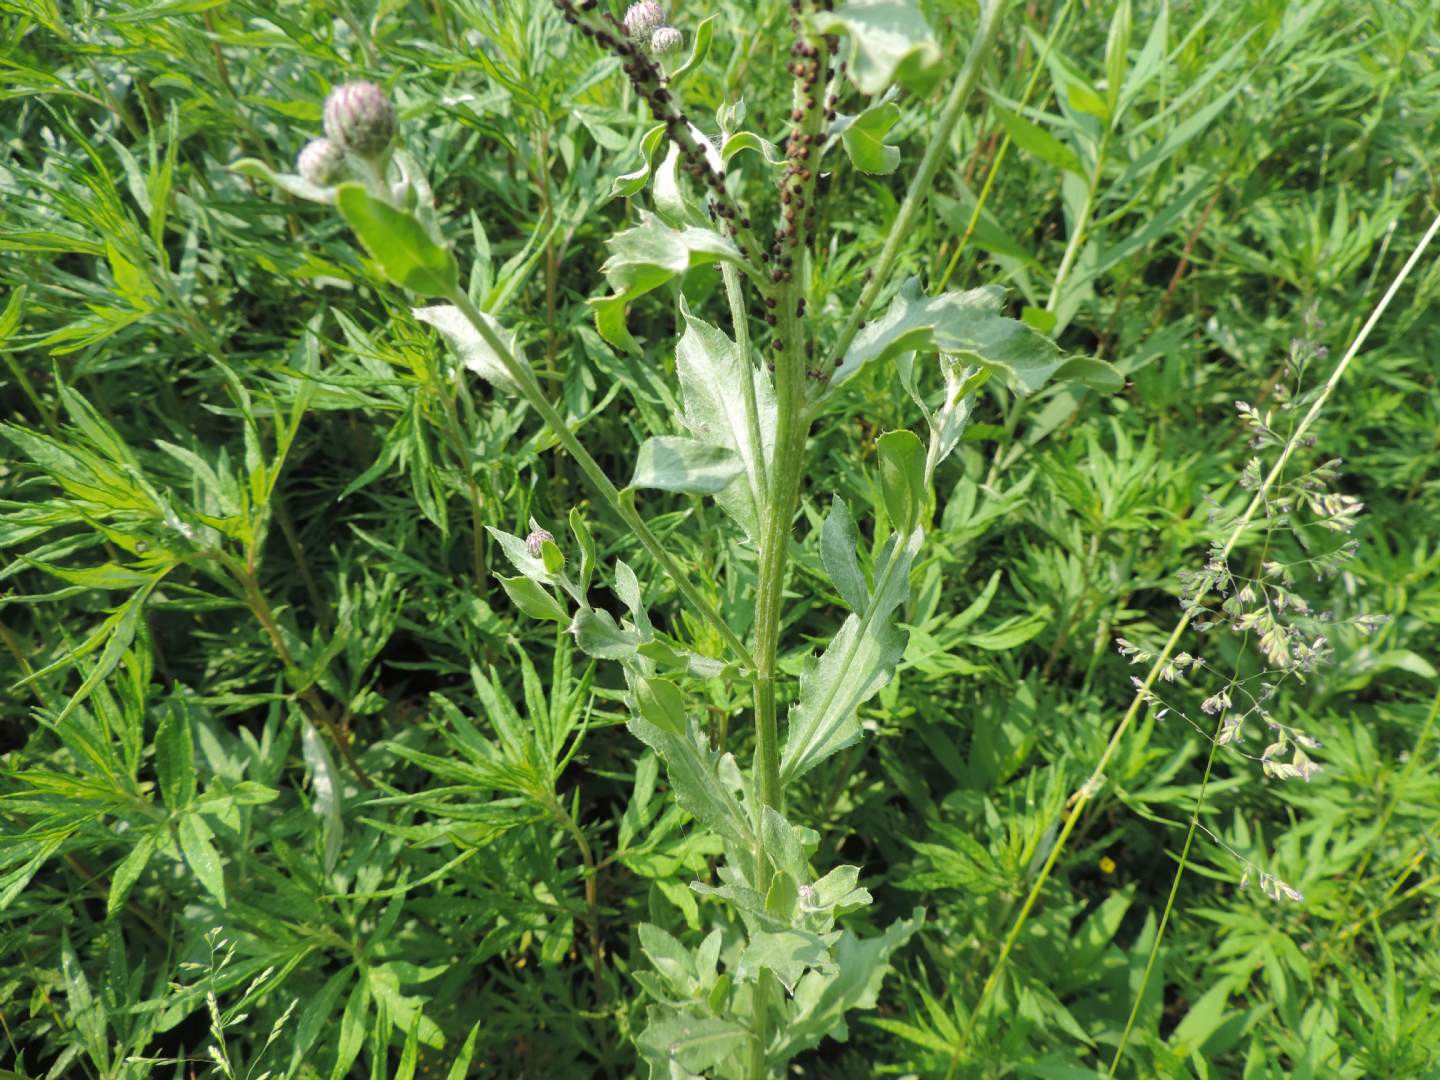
837,552
695,775
712,374
643,258
967,323
855,665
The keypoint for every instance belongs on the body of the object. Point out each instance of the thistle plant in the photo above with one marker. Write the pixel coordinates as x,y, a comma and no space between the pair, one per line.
781,970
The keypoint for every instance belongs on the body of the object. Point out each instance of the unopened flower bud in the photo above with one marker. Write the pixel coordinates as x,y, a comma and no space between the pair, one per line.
360,119
321,162
665,39
535,542
642,19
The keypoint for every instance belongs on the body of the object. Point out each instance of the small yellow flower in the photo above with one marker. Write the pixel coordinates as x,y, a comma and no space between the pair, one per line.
1107,864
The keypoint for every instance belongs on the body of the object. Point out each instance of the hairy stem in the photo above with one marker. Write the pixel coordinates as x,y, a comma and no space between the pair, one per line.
791,429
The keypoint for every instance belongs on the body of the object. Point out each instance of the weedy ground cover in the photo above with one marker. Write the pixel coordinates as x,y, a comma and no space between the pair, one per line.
878,538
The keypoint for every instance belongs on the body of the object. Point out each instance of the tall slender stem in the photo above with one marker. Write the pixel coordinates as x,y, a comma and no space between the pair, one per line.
791,430
1081,224
525,379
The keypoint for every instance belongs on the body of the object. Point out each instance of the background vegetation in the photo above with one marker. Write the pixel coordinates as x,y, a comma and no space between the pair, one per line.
289,785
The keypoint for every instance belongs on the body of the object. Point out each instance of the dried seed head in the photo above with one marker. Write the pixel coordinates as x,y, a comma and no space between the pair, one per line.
535,542
360,119
321,162
643,19
666,39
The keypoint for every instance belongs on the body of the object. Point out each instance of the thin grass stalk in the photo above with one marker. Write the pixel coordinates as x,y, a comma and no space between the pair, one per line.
1093,785
1005,144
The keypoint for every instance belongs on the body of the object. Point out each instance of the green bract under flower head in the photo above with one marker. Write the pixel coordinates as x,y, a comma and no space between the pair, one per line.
360,119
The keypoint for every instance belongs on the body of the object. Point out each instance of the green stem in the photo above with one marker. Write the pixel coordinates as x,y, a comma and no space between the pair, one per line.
791,429
22,379
455,432
525,379
939,145
592,895
319,712
1082,222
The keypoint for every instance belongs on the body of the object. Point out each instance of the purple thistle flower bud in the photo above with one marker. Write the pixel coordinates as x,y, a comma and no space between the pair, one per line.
321,162
535,542
642,19
665,39
360,119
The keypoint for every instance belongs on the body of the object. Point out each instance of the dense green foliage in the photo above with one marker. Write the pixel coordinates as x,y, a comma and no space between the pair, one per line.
292,781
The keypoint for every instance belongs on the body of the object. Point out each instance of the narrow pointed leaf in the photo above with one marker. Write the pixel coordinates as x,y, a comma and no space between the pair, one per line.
838,540
196,843
693,769
711,372
856,664
398,242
